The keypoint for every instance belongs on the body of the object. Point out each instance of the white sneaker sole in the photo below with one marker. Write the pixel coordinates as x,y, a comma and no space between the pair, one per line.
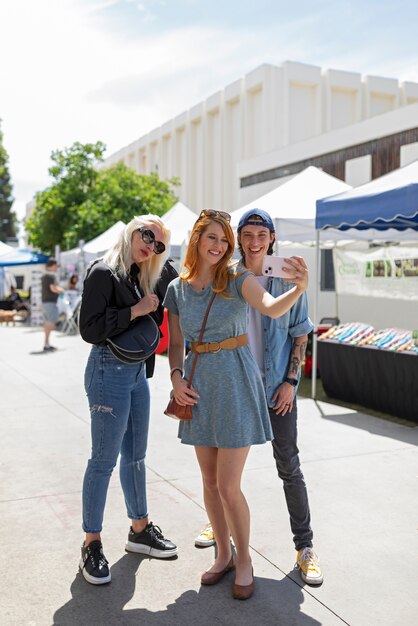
92,579
140,548
204,544
311,581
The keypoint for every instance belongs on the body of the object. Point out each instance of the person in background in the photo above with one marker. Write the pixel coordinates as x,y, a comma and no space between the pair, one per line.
279,346
129,282
17,300
72,283
229,406
14,296
50,293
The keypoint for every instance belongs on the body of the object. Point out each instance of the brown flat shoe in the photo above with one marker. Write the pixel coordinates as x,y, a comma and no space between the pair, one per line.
212,578
243,592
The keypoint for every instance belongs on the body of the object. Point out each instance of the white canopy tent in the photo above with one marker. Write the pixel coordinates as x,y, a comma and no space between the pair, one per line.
292,205
94,248
179,219
101,244
5,249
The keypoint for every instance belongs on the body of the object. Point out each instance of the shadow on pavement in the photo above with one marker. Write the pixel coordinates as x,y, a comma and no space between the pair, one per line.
37,352
274,602
375,426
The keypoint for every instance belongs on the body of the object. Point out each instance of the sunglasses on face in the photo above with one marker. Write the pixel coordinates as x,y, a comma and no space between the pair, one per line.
213,213
149,237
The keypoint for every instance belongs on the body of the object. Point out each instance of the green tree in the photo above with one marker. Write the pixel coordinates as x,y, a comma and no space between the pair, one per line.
85,200
56,211
8,220
119,194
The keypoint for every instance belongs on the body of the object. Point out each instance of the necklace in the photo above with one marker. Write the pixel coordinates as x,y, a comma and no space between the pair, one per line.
201,284
135,286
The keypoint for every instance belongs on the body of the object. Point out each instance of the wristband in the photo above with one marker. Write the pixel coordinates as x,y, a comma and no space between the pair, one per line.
176,369
291,381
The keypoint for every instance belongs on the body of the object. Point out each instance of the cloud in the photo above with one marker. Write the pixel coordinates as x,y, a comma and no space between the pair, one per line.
83,70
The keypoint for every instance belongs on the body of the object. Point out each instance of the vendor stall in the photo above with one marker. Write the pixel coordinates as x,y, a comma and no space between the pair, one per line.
378,379
366,375
373,368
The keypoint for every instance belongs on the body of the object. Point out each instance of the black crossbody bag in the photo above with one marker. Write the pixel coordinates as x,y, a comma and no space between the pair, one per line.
137,343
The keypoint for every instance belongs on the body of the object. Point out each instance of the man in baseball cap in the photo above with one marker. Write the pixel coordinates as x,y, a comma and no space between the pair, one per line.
278,346
256,217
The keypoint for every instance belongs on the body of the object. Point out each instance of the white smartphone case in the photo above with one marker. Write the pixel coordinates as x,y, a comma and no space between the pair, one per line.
272,266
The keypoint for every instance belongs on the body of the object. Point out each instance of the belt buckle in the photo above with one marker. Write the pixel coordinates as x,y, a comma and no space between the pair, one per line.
218,349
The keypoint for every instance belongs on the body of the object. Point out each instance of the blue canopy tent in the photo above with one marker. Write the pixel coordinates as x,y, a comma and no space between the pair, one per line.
12,257
386,204
22,257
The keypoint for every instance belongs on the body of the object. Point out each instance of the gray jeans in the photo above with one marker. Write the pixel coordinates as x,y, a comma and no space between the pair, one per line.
286,455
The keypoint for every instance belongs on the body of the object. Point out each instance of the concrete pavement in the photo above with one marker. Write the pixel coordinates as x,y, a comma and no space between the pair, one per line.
360,471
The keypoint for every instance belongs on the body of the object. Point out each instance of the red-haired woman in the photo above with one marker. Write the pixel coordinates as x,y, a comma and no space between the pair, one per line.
229,407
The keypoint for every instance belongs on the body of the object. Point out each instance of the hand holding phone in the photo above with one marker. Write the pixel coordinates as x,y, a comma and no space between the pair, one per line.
273,266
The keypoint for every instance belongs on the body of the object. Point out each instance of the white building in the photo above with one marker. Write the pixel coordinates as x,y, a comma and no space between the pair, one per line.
258,131
251,136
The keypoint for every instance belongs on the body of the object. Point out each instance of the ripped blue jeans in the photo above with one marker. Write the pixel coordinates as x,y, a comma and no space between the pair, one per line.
119,401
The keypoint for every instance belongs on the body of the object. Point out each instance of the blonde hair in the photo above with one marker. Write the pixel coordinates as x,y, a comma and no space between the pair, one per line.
221,271
119,257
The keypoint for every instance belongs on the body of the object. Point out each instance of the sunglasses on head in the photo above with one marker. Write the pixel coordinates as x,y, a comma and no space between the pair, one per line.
149,237
213,213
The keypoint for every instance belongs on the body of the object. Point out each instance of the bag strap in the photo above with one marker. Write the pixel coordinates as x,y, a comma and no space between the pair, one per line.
202,330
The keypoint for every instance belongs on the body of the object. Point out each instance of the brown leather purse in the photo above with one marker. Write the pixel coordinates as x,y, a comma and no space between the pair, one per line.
174,409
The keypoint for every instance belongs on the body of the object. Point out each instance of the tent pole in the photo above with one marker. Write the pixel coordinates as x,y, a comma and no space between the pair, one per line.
337,302
315,315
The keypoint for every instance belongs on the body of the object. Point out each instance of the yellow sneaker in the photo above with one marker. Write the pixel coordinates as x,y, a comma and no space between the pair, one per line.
308,563
206,537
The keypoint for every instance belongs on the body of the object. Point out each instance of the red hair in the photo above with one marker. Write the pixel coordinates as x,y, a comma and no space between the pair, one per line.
221,271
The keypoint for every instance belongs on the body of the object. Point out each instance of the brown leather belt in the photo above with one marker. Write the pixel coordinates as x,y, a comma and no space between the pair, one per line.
215,346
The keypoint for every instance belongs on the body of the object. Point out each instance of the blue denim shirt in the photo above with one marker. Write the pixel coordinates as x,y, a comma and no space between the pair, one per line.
279,334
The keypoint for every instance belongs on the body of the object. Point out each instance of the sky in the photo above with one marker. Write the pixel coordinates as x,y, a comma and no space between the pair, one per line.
113,70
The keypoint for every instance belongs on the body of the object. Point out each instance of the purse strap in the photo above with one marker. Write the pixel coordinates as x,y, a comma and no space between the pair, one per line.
202,330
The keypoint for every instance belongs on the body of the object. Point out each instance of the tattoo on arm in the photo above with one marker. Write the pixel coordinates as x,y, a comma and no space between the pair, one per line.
303,351
297,357
294,364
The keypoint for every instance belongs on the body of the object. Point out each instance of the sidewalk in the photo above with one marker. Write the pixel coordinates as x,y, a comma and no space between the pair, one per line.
360,472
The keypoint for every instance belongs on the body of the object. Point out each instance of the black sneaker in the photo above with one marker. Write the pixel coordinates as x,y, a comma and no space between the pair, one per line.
50,349
94,565
150,541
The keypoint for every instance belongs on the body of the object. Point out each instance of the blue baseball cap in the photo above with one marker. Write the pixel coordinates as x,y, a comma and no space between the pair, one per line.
256,217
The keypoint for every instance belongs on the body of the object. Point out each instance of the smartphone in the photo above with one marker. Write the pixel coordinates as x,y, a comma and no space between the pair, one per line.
272,266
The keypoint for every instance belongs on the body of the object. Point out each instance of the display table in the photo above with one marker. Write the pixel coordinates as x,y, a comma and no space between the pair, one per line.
378,379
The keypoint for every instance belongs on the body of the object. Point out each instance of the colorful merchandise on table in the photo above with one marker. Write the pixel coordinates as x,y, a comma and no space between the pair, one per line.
360,334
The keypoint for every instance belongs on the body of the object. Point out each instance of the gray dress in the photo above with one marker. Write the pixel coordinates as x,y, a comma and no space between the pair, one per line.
232,410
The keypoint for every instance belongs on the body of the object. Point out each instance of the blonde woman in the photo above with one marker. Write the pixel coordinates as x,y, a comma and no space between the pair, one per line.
130,281
229,406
